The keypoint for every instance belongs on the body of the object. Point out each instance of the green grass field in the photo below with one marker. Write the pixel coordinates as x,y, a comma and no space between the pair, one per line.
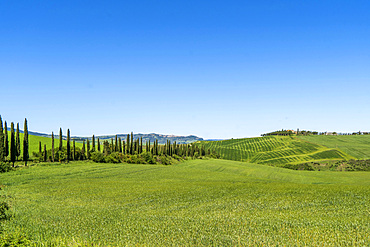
357,146
194,203
274,150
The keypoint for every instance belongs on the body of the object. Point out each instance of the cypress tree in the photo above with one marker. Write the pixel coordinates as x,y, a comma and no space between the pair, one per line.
111,146
98,144
6,141
93,143
45,153
25,143
13,148
128,144
83,150
74,150
123,147
87,149
60,139
141,144
52,147
40,151
119,145
2,147
132,143
116,148
17,143
68,145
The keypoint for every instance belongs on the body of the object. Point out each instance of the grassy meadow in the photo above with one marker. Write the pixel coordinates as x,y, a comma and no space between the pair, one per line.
275,150
357,146
194,203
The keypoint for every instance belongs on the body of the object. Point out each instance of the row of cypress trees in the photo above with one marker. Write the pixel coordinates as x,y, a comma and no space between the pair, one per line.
13,149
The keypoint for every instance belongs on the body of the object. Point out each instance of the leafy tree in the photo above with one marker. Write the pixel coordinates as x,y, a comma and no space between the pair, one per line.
17,143
2,147
60,139
6,141
13,148
68,145
52,147
25,142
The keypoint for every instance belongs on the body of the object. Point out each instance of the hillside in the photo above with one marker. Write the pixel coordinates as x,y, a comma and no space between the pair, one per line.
357,146
193,203
274,150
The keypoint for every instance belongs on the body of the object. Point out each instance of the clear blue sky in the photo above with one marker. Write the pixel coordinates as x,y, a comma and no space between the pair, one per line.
216,69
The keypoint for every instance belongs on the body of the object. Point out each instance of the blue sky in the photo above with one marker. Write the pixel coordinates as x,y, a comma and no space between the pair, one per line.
216,69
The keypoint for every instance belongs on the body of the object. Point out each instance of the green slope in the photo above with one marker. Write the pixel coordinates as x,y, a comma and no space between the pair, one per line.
357,146
195,203
274,150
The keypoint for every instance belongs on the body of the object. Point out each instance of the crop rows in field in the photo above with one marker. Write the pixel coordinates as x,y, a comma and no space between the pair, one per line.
273,150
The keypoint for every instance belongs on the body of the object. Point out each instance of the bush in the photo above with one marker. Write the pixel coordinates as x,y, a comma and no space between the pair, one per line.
97,157
5,167
113,158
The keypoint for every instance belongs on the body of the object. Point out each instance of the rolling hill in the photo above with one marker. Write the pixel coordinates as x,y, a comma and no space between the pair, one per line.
357,146
274,150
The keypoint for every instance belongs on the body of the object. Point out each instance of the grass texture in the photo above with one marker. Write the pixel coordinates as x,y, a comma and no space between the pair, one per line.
194,203
357,146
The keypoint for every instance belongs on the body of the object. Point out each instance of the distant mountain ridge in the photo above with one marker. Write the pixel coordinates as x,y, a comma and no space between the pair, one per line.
162,138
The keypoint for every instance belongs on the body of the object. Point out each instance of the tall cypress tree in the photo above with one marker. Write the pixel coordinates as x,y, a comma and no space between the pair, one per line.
128,144
132,143
93,143
13,148
123,147
6,141
98,144
45,153
74,150
40,151
2,147
141,144
119,145
60,139
68,145
52,147
25,143
83,150
87,149
111,145
116,144
17,143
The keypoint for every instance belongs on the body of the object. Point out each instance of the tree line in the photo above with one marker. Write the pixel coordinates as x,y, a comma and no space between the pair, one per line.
114,150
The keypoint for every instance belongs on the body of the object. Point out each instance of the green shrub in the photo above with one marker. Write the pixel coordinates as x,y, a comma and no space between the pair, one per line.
97,157
5,167
113,158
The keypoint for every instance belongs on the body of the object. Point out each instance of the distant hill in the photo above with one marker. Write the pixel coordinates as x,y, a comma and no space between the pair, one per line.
162,139
275,150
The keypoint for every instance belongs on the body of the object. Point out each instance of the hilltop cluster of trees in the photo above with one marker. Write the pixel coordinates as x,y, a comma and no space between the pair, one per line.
308,132
114,151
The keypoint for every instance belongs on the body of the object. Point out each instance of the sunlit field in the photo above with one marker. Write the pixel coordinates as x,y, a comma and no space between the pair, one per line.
194,203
